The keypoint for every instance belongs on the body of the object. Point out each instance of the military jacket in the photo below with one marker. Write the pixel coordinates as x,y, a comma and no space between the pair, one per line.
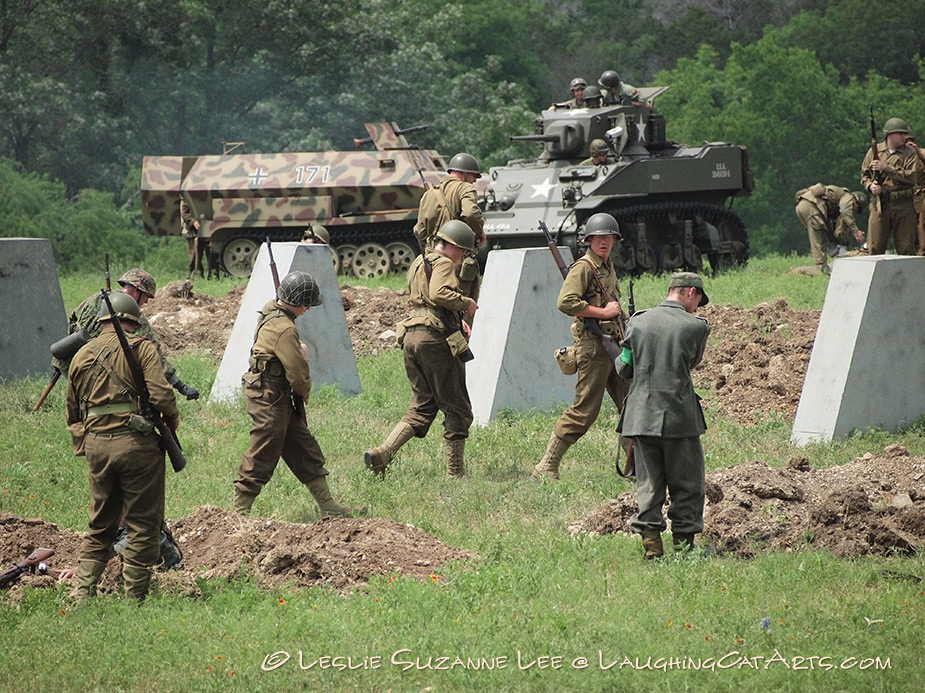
580,290
666,343
441,290
835,204
277,342
100,375
627,94
462,199
903,178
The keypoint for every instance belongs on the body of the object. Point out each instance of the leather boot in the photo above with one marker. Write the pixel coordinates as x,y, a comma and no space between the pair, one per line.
379,457
652,544
548,467
682,542
326,503
88,577
137,579
455,461
243,502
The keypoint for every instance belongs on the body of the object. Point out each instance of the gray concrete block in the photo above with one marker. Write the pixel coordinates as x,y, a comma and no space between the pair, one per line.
866,366
323,328
517,329
32,315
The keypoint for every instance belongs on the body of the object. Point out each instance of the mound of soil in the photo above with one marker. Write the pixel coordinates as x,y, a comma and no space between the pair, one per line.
872,505
220,544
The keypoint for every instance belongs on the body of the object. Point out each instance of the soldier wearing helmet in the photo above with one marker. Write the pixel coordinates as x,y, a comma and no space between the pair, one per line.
593,97
582,298
617,92
316,233
599,151
277,381
140,286
891,178
434,341
919,197
196,245
126,462
577,90
827,213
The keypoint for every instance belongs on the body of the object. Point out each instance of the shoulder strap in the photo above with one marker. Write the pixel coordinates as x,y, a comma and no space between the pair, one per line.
456,214
597,279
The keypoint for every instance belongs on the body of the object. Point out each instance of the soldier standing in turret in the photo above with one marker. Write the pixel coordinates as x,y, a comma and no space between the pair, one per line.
617,92
577,89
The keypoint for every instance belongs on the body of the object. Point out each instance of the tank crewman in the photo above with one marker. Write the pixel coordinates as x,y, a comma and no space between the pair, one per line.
617,92
140,286
919,197
196,246
277,381
663,414
892,211
433,340
123,452
827,212
593,97
577,89
316,233
599,150
581,298
455,198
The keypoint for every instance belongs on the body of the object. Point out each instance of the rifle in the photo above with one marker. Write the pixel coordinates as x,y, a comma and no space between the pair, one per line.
35,559
297,401
878,175
593,325
629,467
166,434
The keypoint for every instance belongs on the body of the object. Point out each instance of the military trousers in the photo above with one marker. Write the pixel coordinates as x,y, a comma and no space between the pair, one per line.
675,466
438,383
895,217
596,374
818,229
126,471
276,431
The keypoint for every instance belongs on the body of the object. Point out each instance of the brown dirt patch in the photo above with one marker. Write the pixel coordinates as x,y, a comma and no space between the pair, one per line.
872,505
220,544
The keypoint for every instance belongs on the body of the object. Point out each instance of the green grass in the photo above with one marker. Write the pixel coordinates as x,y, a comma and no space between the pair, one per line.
534,590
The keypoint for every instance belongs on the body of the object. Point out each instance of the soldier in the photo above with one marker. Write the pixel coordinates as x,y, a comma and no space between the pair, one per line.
316,233
140,286
123,451
581,297
891,178
919,197
663,414
195,245
577,89
827,212
617,92
433,341
275,386
593,97
599,150
455,198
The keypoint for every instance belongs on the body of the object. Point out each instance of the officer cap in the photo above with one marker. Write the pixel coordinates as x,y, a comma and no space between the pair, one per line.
682,280
299,289
140,279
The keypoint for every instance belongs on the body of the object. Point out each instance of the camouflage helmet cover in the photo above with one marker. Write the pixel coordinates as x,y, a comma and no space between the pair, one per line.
602,224
458,233
465,163
610,80
124,306
895,125
299,289
317,231
140,279
598,147
577,83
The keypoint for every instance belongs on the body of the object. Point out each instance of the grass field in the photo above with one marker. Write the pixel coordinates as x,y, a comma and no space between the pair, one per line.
538,610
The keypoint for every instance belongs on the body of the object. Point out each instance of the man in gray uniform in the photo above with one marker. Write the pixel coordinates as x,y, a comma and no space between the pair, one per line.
663,415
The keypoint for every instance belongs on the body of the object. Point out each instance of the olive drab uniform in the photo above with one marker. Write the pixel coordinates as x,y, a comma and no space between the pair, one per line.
893,210
195,245
123,453
827,213
278,372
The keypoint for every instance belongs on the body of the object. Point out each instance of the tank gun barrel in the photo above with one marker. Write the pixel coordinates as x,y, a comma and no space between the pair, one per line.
535,138
358,142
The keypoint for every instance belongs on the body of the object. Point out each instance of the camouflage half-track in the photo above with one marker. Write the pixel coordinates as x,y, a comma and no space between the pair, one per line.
669,199
367,200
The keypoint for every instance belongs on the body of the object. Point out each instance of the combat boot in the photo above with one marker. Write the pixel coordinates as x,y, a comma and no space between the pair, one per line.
379,457
243,502
326,503
88,577
548,467
682,542
137,580
455,463
652,544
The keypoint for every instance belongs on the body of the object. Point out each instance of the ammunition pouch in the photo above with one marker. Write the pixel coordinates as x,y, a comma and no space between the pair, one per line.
567,359
78,438
270,367
895,195
137,422
459,347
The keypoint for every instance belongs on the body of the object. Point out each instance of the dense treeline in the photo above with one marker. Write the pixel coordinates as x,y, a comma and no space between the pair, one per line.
87,88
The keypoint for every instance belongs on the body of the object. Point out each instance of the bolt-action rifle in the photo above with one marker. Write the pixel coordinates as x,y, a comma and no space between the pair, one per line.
27,565
166,433
877,175
297,401
629,466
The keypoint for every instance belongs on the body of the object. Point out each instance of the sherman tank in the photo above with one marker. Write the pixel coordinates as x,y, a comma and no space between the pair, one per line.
673,202
368,200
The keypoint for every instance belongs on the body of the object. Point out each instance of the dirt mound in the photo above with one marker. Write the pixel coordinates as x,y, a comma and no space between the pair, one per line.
220,544
872,505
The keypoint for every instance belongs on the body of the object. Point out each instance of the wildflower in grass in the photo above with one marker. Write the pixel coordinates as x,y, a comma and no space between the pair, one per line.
280,601
689,626
210,668
434,577
766,623
62,612
218,656
706,637
670,622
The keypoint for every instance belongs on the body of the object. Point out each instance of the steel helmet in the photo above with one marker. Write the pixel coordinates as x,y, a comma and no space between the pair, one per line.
317,231
577,83
124,306
610,80
861,198
598,147
895,125
466,163
299,289
593,93
458,233
602,224
140,279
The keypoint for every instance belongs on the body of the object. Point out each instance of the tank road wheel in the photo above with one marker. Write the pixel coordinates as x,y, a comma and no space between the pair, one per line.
335,258
401,255
371,260
346,252
238,255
